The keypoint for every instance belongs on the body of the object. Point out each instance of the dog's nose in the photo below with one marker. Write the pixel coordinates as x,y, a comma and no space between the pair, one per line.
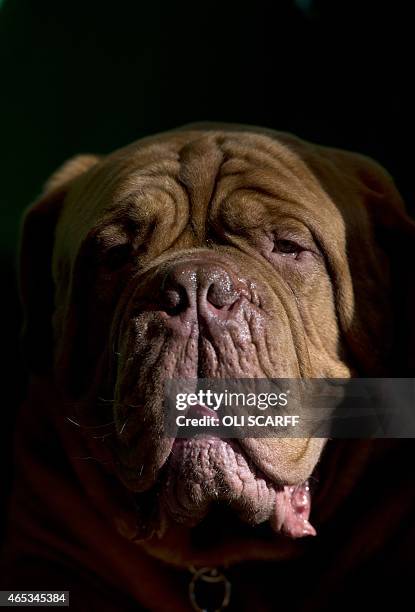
198,286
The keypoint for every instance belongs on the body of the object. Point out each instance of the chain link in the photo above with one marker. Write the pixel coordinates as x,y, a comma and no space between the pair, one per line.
209,575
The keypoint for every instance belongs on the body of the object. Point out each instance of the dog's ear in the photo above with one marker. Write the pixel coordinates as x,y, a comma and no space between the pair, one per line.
35,262
376,296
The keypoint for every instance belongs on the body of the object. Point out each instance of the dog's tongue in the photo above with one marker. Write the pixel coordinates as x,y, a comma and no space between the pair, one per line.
291,511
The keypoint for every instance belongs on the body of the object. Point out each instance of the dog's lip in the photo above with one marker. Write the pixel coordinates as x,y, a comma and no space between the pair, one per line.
199,410
291,504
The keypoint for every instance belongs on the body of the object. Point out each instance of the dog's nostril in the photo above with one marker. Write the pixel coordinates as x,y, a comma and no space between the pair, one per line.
219,296
175,300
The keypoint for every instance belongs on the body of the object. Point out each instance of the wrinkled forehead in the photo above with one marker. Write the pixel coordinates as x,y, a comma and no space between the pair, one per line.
232,179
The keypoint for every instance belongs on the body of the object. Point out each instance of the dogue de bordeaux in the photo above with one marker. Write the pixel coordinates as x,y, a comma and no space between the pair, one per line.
210,251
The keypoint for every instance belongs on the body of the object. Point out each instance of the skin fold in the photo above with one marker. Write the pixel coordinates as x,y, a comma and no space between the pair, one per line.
211,251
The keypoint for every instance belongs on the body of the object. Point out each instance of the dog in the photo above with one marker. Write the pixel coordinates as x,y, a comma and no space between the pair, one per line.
210,251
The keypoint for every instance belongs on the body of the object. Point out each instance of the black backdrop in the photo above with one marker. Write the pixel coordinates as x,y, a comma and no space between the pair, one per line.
89,76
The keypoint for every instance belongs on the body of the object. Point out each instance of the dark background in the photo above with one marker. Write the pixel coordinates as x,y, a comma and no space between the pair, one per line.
91,76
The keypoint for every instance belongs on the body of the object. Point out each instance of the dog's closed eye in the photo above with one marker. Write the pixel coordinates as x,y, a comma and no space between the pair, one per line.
285,245
287,248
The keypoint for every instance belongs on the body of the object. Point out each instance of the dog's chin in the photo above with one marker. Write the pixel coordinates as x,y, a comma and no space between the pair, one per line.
220,539
214,506
205,471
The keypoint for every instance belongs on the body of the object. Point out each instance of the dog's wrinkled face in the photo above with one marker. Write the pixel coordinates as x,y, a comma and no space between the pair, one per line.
215,254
